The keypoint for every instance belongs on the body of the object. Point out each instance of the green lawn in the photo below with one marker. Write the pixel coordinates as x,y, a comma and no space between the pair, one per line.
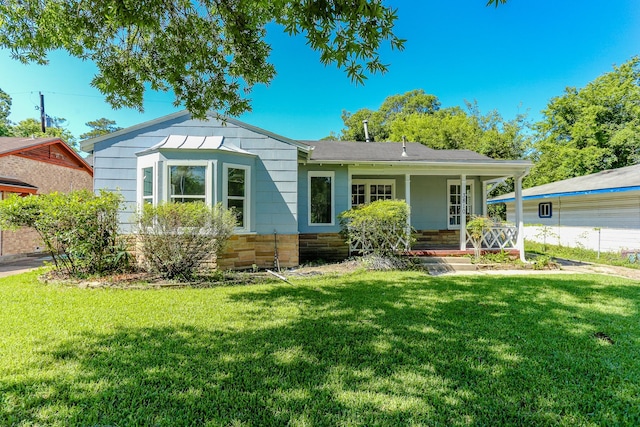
366,349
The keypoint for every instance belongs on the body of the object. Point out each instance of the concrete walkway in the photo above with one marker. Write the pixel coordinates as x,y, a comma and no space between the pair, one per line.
9,267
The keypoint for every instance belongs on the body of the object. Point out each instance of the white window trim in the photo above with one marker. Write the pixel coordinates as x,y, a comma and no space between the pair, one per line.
209,184
247,193
321,174
367,189
471,203
144,163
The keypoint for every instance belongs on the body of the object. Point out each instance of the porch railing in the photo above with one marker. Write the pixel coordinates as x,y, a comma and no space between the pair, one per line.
497,237
362,242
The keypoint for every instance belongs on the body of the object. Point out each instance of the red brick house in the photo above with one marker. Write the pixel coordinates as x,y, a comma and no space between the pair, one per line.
37,166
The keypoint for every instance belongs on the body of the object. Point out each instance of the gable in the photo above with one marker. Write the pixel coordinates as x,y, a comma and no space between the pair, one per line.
45,150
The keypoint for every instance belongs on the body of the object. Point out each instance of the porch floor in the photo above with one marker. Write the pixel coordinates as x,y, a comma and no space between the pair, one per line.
444,251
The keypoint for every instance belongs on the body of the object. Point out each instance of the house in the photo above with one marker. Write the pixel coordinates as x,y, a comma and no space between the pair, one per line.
288,193
600,211
37,166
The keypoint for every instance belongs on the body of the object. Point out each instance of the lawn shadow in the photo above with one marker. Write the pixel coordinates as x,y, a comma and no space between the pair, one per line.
360,351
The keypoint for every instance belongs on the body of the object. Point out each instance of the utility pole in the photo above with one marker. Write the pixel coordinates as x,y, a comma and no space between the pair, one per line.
43,116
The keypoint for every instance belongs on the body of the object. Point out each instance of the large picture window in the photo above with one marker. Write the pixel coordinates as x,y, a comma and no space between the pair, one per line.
187,183
454,197
236,193
321,198
370,190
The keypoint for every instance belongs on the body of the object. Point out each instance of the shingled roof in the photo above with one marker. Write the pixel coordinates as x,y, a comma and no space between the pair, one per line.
385,151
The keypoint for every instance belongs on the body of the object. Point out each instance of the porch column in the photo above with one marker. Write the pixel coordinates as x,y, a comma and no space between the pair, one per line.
407,198
519,217
484,198
463,212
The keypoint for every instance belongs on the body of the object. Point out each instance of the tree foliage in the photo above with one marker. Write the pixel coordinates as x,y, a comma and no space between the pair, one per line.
176,238
590,129
210,53
99,127
5,109
393,107
418,117
32,128
79,229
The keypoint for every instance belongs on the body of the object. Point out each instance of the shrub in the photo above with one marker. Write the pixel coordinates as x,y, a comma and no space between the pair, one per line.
379,227
176,238
79,229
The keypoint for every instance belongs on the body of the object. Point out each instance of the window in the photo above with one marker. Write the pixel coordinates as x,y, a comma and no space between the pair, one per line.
236,191
147,185
454,195
321,198
544,210
187,183
366,191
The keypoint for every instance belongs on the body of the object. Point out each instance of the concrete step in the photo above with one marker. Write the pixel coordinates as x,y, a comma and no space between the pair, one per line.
441,265
445,259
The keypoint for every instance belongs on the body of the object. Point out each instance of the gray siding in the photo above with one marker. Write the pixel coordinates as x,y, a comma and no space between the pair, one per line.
274,173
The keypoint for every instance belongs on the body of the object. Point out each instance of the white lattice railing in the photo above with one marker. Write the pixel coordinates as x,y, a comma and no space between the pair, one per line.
362,242
497,237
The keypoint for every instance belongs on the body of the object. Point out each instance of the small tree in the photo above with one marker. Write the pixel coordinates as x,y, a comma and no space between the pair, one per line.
79,229
476,228
176,238
380,227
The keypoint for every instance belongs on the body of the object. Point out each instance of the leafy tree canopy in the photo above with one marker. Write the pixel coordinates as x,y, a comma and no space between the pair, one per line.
418,117
99,127
209,52
31,127
5,109
392,108
590,129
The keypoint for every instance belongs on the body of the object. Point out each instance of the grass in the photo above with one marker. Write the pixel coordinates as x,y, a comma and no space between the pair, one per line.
579,254
387,349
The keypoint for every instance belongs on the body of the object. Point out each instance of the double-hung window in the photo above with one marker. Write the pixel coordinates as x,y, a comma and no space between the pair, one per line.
187,181
321,192
147,185
369,190
236,188
454,202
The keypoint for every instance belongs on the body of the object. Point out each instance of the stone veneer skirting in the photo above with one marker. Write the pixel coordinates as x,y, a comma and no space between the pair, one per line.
246,250
323,246
437,238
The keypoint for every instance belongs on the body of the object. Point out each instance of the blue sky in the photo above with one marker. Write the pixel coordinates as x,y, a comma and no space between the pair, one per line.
512,59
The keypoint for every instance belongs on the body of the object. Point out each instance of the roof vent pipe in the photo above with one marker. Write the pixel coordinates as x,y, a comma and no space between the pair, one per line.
365,123
404,146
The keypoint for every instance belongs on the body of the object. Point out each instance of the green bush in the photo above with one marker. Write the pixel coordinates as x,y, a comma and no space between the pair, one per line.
176,238
380,227
79,229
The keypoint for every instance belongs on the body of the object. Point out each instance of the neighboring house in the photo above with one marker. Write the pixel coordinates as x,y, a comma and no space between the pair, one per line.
600,211
288,193
37,166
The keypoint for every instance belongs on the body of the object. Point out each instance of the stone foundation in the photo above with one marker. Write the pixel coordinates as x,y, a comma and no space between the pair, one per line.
323,246
243,251
437,238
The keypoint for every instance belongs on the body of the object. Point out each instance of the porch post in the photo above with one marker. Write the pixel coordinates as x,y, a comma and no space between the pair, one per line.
407,198
484,198
519,217
463,212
